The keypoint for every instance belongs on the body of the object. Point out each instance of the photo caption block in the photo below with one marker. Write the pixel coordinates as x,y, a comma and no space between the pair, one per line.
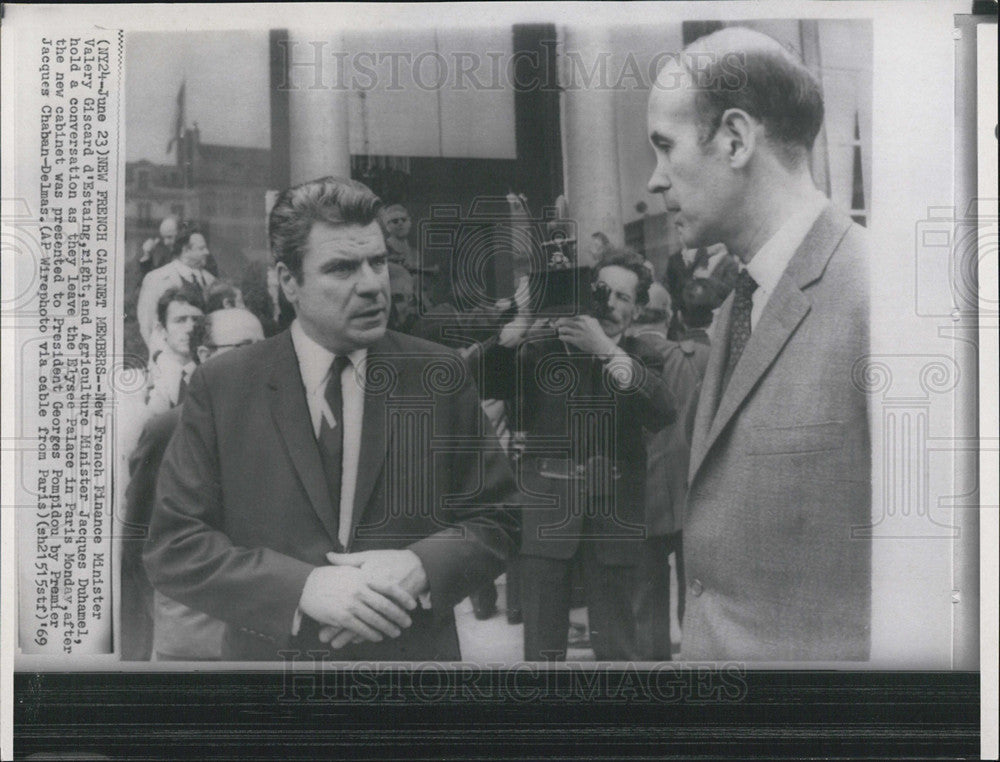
68,197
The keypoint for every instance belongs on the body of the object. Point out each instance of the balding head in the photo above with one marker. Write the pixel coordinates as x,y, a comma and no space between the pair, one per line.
732,121
395,221
168,231
403,292
738,68
227,329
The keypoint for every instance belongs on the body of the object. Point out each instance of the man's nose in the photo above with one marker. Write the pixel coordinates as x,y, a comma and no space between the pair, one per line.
369,281
659,181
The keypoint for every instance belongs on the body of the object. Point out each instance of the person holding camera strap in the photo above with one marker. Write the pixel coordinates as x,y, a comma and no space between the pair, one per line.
583,391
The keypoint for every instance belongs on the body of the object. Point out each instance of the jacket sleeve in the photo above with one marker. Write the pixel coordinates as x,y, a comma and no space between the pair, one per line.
188,555
145,310
479,505
646,395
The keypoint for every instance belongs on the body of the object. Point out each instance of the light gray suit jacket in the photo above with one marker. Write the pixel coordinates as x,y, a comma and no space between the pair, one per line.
777,560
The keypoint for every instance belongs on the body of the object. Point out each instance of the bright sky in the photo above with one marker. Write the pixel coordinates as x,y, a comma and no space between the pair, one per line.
226,94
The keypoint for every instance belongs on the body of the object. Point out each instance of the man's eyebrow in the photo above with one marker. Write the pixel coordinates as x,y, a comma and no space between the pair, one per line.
337,261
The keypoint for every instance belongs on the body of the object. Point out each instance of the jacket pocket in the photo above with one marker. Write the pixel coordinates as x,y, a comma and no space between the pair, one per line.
813,437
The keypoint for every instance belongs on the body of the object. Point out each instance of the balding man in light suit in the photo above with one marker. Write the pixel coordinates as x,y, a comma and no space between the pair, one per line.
779,479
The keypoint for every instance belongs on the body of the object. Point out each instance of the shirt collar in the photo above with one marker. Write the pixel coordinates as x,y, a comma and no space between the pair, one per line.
771,260
184,269
315,360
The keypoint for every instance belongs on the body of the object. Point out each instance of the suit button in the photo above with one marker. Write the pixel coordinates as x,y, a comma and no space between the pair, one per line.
697,588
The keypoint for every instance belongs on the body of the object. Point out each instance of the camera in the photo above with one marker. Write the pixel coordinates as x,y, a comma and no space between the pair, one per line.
600,295
485,251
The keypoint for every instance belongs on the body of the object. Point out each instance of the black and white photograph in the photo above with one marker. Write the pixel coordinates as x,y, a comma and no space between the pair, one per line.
635,351
485,161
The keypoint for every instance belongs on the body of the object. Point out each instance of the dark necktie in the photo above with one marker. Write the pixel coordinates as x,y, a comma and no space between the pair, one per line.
700,260
739,333
182,387
331,438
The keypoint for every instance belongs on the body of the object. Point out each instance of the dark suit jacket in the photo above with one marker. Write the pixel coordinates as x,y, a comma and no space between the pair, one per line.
571,412
158,256
182,631
669,450
243,512
777,561
137,592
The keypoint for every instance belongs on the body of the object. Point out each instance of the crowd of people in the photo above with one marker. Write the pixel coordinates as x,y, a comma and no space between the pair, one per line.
195,315
333,470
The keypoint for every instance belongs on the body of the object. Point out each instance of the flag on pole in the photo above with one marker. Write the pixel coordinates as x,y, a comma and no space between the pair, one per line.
179,119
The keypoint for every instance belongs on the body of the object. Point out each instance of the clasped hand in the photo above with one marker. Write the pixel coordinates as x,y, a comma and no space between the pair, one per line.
364,596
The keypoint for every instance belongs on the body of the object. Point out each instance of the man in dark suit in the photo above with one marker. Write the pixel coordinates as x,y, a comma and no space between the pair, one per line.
156,252
666,492
584,396
335,486
179,631
779,478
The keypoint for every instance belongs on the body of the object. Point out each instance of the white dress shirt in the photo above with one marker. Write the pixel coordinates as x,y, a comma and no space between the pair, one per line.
166,376
315,362
771,260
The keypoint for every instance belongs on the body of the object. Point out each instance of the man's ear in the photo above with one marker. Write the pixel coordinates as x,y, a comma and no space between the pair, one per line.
286,281
203,353
738,133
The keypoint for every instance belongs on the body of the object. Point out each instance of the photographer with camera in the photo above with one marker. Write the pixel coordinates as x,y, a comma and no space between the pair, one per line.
582,392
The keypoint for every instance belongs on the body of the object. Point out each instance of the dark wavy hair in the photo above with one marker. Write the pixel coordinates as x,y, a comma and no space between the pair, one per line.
185,293
184,237
331,200
629,260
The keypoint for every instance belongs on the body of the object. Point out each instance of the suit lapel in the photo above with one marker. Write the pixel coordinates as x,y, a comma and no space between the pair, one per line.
291,417
375,439
785,311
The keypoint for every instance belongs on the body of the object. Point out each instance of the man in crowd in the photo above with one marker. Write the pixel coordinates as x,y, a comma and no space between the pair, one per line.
396,225
698,304
187,267
153,623
156,252
668,450
651,323
712,266
584,393
779,478
306,499
177,312
404,312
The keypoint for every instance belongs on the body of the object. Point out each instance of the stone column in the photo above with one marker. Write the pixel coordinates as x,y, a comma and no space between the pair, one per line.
590,139
319,125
